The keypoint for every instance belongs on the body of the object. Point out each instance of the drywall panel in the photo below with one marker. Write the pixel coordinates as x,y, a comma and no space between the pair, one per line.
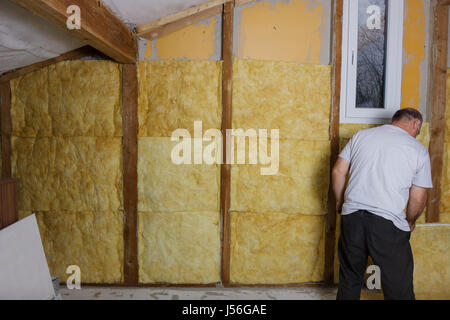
274,248
299,186
202,40
164,186
70,174
93,241
269,30
24,270
179,247
291,97
173,94
415,54
71,98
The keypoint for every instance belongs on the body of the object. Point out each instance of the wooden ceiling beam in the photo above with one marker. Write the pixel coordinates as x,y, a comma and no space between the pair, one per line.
180,19
99,28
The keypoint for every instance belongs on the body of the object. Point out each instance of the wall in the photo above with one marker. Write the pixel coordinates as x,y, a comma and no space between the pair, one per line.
281,81
67,154
179,214
284,30
202,40
415,54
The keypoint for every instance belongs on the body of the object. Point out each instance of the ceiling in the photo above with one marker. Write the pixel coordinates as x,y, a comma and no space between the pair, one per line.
26,39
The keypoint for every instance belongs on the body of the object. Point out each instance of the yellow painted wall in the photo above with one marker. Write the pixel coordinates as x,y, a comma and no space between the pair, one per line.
414,47
196,41
287,31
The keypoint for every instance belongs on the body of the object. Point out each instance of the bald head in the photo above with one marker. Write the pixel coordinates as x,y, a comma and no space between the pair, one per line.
408,119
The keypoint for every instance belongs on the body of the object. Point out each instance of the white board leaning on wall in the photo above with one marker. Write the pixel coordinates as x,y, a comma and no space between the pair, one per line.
24,272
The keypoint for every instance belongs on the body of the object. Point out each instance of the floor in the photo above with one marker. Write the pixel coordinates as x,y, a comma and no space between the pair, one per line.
116,293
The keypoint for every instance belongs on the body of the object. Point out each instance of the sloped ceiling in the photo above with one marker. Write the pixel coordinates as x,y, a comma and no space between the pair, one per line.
26,39
136,12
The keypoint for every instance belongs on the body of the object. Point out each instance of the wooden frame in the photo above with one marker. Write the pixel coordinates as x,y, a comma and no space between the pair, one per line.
100,28
9,210
438,85
180,19
5,95
238,3
225,169
85,51
349,112
130,177
330,231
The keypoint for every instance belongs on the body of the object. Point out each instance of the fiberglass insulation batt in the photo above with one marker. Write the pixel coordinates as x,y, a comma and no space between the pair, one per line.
67,154
278,221
179,213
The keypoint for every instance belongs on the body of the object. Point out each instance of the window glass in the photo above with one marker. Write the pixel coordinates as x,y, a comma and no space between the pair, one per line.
371,61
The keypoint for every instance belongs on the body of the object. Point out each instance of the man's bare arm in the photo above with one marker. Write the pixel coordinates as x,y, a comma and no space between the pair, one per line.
416,204
339,173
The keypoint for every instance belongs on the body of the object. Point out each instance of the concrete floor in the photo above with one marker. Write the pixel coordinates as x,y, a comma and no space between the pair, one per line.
118,293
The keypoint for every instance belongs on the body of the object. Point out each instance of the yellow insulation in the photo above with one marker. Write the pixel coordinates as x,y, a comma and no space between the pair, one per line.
70,174
167,187
278,220
174,94
179,247
91,240
67,154
300,186
431,250
275,248
291,97
179,237
71,98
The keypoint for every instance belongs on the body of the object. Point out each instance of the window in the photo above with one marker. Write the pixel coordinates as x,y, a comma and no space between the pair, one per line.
371,60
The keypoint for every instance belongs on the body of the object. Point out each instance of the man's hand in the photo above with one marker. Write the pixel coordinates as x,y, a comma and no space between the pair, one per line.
339,173
416,204
412,225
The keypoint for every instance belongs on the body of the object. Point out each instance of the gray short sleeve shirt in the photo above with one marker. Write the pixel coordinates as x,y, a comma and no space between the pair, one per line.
384,163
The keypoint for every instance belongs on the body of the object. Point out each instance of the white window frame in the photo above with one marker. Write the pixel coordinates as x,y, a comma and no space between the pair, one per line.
394,54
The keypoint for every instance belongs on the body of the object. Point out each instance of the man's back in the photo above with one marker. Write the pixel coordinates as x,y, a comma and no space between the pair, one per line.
385,162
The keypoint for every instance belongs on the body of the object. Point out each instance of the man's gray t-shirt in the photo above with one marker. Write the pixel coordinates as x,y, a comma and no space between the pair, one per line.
384,163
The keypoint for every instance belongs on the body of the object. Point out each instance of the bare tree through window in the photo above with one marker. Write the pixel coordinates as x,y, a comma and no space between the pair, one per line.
371,62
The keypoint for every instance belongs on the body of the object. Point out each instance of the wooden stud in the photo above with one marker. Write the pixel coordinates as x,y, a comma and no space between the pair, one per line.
438,102
6,128
238,3
71,55
225,169
100,28
330,231
147,29
130,192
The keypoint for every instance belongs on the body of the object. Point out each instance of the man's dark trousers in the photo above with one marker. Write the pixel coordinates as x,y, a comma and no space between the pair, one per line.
364,234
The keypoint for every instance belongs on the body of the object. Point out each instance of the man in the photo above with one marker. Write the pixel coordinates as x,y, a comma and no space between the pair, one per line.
387,166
